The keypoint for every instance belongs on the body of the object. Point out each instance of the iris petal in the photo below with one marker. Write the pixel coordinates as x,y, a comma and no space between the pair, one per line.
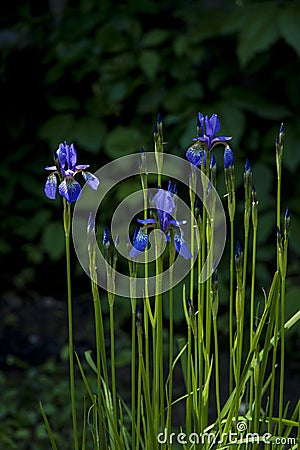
71,156
164,201
146,221
70,189
194,156
61,155
140,243
51,186
181,246
81,166
51,168
91,180
212,125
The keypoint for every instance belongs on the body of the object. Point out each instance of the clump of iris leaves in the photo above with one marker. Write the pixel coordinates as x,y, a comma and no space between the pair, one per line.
256,352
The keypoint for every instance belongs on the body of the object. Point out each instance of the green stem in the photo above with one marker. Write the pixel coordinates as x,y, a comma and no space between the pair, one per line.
112,357
200,347
188,376
171,313
252,308
217,375
282,358
274,356
231,300
133,358
67,224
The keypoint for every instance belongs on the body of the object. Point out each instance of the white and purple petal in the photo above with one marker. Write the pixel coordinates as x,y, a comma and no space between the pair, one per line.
194,156
70,189
91,180
51,168
51,186
140,242
164,201
181,246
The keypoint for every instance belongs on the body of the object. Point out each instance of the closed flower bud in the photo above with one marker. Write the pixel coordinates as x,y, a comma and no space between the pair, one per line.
228,158
287,222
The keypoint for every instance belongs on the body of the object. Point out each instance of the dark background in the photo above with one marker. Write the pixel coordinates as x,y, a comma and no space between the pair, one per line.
96,73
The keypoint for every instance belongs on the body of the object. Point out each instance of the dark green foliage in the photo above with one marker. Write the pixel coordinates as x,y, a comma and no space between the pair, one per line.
97,75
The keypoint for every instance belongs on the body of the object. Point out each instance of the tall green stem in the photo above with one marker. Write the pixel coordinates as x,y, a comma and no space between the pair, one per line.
67,226
171,313
252,295
112,362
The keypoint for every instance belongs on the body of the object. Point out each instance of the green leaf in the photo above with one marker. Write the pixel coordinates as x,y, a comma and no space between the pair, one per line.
246,99
57,129
149,62
64,103
123,141
53,240
233,121
88,133
288,21
260,31
154,37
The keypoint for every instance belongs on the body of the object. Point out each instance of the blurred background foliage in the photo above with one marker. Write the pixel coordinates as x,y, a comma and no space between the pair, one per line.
96,73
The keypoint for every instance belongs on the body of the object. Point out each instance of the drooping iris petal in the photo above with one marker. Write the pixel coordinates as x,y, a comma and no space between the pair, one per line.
180,245
51,168
140,242
194,155
91,180
51,186
70,189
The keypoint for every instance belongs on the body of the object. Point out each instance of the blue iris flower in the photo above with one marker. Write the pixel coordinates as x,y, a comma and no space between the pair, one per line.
165,207
65,169
206,141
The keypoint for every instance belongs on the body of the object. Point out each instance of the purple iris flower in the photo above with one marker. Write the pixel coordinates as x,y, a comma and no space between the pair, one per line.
65,170
206,141
165,206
